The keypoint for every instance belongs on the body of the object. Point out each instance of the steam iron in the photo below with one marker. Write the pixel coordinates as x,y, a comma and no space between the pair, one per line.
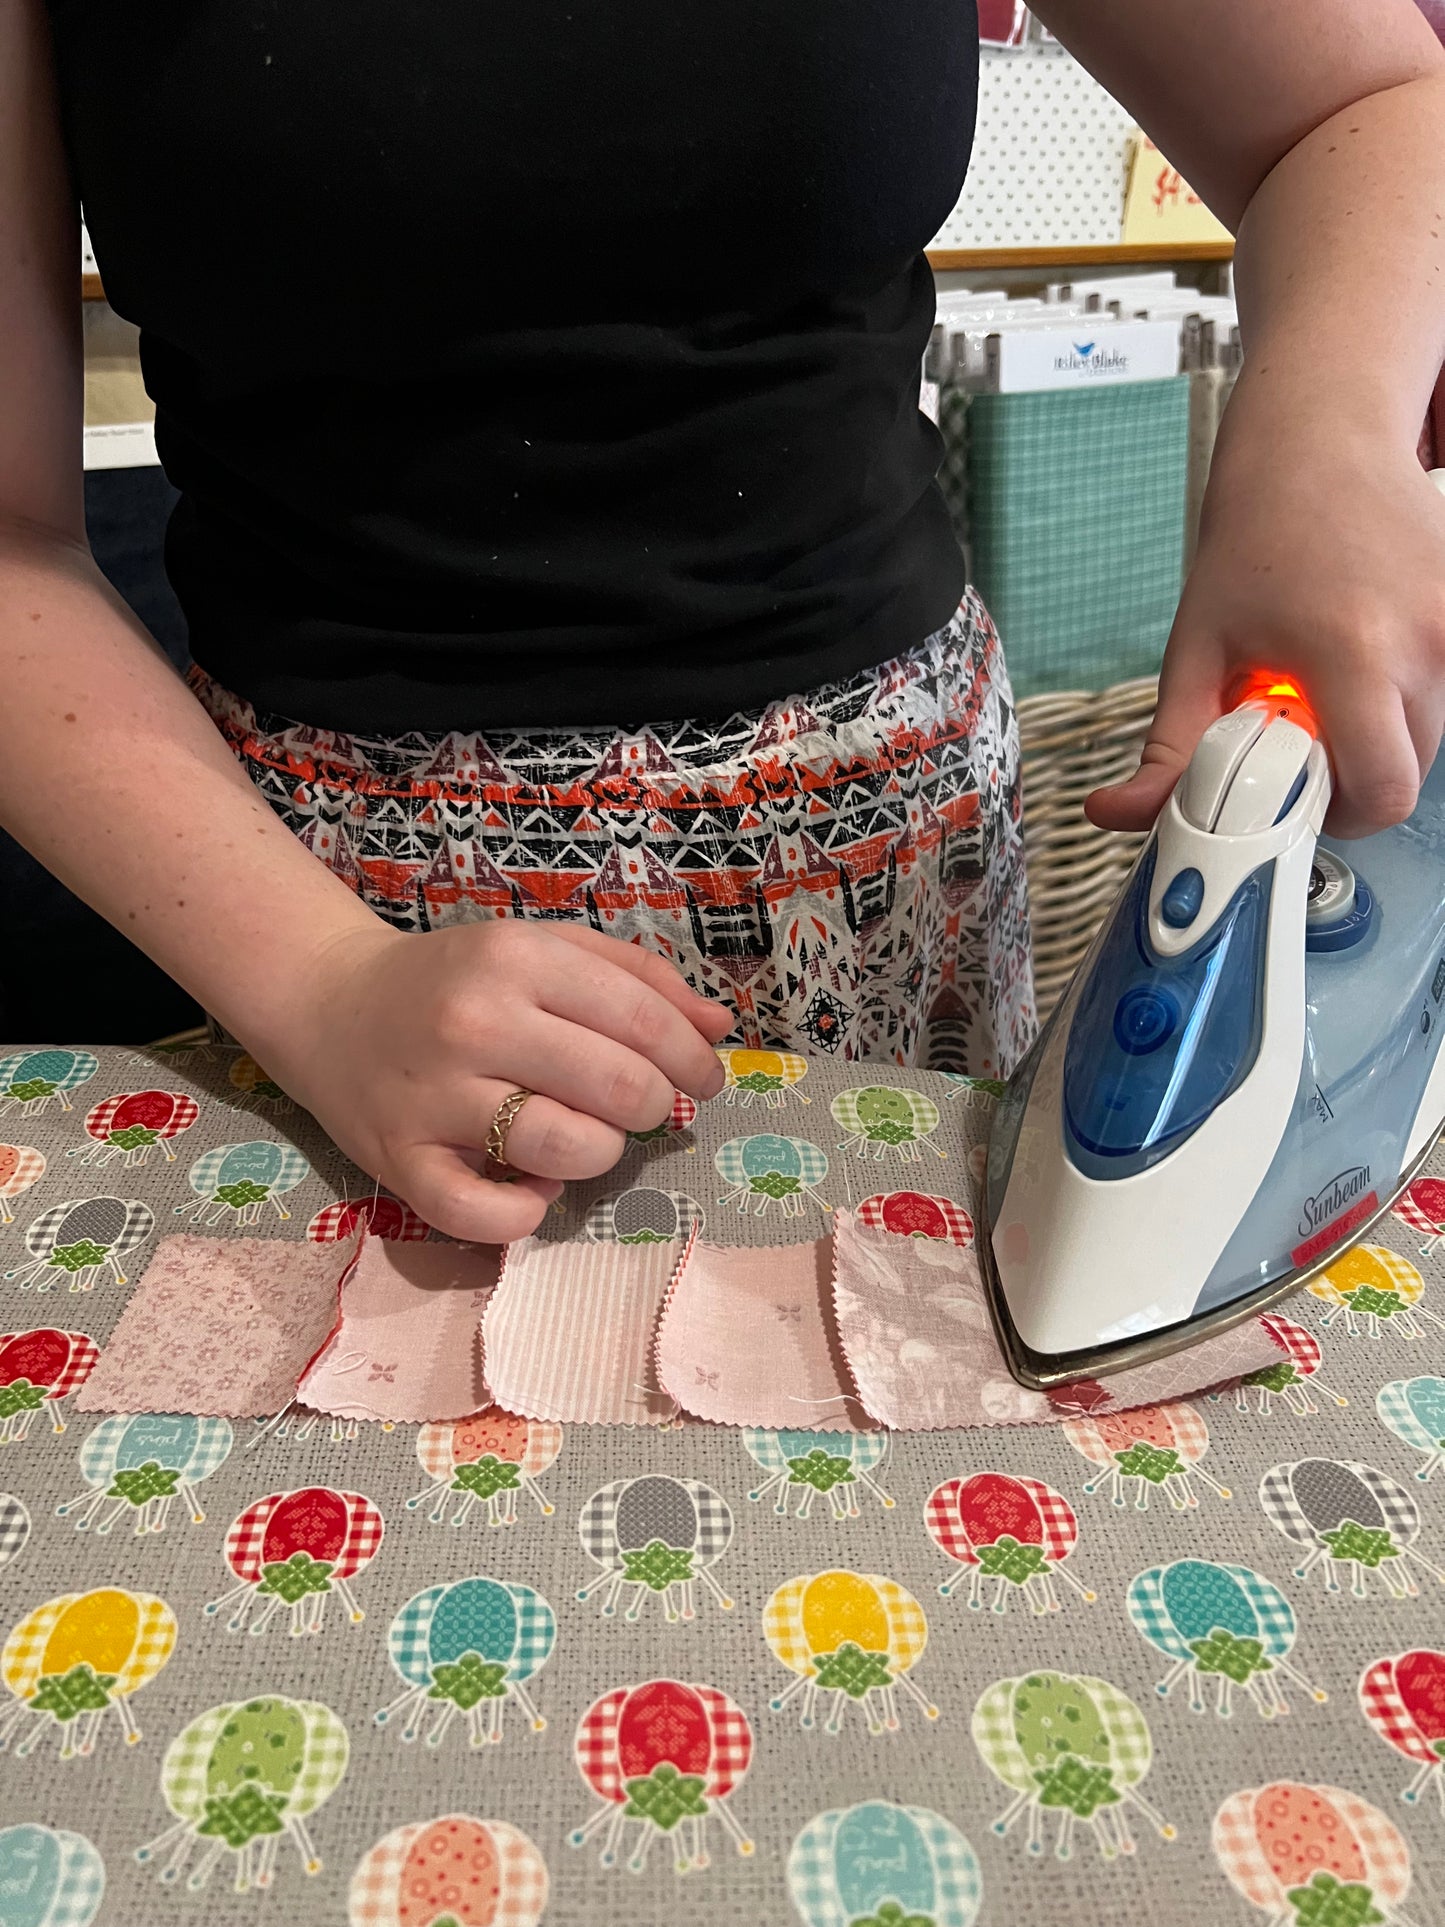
1243,1075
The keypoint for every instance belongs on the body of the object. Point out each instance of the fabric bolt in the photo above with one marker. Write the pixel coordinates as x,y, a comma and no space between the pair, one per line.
407,1345
844,868
1076,524
621,1649
217,1327
953,406
747,1338
569,1332
915,1328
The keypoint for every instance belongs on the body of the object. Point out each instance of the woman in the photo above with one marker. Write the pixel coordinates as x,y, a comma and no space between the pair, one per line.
559,538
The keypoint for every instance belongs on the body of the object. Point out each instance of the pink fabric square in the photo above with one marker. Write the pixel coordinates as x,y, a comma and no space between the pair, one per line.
569,1332
408,1346
915,1329
748,1338
220,1327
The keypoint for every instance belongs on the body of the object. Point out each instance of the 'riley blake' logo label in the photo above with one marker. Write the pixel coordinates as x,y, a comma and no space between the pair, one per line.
1330,1202
1087,358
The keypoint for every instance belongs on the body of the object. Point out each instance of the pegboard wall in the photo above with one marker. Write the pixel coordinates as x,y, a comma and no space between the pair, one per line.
1049,157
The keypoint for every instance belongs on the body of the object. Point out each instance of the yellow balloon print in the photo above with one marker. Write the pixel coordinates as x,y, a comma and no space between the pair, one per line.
839,1606
74,1658
1369,1267
852,1638
99,1631
1376,1287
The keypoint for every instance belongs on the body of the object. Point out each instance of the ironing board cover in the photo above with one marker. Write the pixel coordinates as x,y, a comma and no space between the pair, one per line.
970,1633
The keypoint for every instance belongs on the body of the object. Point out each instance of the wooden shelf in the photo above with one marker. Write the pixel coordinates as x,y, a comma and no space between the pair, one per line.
954,260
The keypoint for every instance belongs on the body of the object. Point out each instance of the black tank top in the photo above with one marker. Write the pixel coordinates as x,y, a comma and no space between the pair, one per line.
532,362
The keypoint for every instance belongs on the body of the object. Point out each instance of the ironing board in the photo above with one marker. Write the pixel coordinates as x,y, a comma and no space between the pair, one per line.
1026,1676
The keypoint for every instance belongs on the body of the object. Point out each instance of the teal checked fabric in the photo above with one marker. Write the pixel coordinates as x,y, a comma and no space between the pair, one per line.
1072,505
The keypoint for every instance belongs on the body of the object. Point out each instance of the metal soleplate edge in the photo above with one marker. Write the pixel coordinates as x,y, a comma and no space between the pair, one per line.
1038,1371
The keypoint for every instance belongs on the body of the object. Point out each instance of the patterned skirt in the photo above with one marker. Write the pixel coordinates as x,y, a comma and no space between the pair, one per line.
845,869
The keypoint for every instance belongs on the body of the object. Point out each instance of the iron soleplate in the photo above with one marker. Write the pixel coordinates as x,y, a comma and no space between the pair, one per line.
1038,1371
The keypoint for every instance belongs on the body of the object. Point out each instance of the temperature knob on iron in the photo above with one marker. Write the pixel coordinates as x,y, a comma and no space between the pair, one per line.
1332,889
1338,908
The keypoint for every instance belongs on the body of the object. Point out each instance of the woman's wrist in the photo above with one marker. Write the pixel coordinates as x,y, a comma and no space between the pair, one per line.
304,985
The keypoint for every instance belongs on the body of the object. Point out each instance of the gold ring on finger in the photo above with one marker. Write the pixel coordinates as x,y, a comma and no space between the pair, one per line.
503,1119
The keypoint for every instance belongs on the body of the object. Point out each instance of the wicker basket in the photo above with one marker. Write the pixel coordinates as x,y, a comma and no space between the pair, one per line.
1073,741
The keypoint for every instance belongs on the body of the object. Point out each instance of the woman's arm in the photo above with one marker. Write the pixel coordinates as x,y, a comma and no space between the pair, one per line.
114,777
110,772
1316,128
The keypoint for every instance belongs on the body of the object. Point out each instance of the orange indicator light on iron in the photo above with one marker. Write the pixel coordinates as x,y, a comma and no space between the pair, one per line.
1265,686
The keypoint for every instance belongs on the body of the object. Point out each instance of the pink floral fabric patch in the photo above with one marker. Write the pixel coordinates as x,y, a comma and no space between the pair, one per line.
915,1328
408,1345
219,1327
569,1332
748,1338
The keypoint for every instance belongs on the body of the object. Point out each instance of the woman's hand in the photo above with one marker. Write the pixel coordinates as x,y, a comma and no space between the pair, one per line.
1322,561
412,1042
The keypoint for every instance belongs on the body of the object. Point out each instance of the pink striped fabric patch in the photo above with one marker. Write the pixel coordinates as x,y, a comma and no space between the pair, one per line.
407,1347
916,1331
748,1338
569,1331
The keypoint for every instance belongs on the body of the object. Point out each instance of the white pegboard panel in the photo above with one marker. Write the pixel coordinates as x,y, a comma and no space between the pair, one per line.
1049,157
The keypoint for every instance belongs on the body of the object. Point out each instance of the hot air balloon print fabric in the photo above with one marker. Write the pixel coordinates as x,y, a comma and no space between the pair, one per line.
139,1465
133,1123
802,1466
1403,1698
39,1369
57,1877
72,1661
476,1873
80,1240
468,1648
1314,1854
294,1550
509,1666
21,1166
895,1864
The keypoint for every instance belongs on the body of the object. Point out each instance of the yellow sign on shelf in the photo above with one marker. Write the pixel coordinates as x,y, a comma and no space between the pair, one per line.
1161,207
